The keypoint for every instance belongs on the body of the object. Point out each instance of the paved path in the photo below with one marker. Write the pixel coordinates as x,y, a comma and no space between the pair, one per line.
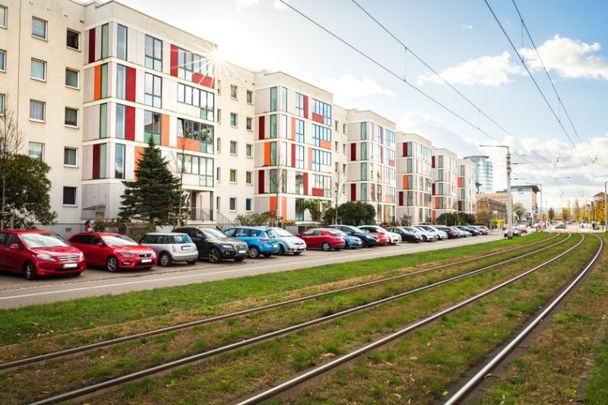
15,291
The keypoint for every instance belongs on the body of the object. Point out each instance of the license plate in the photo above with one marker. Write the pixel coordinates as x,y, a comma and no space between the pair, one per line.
70,266
242,251
185,247
146,260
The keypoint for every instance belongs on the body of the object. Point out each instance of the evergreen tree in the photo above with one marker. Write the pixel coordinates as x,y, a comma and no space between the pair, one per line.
156,195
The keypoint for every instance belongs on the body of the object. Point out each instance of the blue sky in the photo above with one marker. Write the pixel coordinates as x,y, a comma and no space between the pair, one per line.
459,39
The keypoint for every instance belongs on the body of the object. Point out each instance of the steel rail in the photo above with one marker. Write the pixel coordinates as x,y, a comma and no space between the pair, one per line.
269,393
473,381
153,332
246,342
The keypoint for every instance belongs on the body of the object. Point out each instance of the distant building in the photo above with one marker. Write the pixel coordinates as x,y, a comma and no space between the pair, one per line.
489,209
484,173
527,195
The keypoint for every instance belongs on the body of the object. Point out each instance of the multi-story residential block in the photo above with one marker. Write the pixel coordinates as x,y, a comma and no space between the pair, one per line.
526,194
371,173
466,186
414,177
484,173
444,165
340,154
294,156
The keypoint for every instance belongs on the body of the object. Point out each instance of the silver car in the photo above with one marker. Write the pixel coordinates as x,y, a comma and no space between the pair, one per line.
171,247
289,243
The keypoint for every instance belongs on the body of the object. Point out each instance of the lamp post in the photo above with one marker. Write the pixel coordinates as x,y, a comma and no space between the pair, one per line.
509,199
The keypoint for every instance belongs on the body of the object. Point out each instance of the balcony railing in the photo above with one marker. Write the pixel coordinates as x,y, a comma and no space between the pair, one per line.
201,215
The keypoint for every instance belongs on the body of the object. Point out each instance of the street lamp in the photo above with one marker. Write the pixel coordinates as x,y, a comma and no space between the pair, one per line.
509,199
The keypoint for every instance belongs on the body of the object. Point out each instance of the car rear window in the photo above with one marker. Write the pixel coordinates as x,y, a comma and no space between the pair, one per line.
182,239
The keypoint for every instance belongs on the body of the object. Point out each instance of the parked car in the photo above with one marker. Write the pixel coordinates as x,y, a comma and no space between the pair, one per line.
426,235
367,238
351,242
432,228
471,232
288,242
461,233
261,241
514,230
561,226
452,233
214,245
323,238
37,253
171,247
393,238
406,236
484,229
113,251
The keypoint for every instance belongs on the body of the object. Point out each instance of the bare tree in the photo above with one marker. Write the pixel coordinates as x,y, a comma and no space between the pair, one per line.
11,141
339,180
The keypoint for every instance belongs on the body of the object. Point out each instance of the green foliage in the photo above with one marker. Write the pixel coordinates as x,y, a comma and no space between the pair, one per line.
26,191
156,195
253,219
519,211
357,213
551,214
316,207
455,218
405,220
329,216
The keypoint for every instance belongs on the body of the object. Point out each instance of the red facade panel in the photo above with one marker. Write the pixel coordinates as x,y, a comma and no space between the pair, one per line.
305,183
261,182
174,60
317,117
261,128
433,162
96,161
130,123
203,80
293,155
317,192
401,198
353,151
404,149
353,192
305,106
92,45
131,83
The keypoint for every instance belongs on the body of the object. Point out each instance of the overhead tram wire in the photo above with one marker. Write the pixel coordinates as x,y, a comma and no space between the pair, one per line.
450,85
544,97
392,73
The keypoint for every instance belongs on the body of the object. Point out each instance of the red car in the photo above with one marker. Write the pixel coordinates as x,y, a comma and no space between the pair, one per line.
323,238
113,251
38,253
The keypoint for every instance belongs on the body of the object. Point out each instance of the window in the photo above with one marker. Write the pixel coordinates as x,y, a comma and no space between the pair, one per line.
283,99
247,204
363,151
249,97
233,148
322,109
273,99
232,204
121,42
363,171
71,117
249,123
299,157
273,126
320,134
218,175
300,131
2,16
363,131
120,121
2,60
119,161
103,120
1,104
121,82
299,187
153,91
37,110
38,69
190,63
299,105
38,28
69,196
72,39
154,53
248,150
71,78
152,127
219,87
198,98
320,158
69,157
105,41
198,131
233,175
234,92
233,120
201,166
36,150
218,146
248,178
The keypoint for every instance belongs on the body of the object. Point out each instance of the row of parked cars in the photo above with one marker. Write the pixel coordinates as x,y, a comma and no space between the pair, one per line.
37,253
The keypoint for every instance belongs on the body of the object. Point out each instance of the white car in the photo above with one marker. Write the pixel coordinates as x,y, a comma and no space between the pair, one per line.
442,235
395,238
425,235
429,231
289,243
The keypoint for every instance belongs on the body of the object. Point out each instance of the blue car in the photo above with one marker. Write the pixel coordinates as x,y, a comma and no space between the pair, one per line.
260,241
352,242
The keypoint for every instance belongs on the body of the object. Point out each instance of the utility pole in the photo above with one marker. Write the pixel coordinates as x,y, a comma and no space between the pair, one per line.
509,197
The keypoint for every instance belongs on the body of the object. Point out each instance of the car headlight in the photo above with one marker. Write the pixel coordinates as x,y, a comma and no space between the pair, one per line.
44,256
80,256
126,254
226,246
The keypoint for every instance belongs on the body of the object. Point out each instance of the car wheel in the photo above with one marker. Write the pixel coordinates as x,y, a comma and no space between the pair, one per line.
191,262
267,255
239,259
282,251
164,259
30,271
325,246
215,256
112,264
253,252
297,253
424,239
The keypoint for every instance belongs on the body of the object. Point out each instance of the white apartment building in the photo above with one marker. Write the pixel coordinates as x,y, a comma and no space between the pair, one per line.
414,177
444,165
466,186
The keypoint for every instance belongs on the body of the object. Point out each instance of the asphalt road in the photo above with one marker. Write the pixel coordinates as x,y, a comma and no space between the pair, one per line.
16,291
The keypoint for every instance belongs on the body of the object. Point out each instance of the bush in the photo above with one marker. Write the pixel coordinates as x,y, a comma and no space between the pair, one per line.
357,213
253,219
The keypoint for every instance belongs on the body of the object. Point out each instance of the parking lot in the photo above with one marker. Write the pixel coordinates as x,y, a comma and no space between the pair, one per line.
16,291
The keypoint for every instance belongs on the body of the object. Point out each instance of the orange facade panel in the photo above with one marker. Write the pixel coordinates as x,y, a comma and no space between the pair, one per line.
293,128
164,130
139,151
273,204
97,83
284,207
405,182
188,144
325,144
267,154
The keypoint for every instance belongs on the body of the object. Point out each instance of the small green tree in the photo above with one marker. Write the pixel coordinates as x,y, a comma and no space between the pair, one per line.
447,218
357,213
155,196
519,211
551,214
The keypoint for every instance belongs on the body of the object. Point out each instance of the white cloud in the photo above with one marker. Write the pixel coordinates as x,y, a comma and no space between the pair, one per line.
569,58
485,70
467,27
347,89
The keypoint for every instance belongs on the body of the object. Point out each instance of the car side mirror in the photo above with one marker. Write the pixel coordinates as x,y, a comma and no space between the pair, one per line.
14,246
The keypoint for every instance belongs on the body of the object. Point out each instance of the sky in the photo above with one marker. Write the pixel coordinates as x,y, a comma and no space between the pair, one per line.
460,40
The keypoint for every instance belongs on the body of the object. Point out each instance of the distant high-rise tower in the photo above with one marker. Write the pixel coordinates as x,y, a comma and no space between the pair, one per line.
484,173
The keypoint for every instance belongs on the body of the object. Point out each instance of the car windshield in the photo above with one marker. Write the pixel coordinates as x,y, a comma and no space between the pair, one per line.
182,239
39,240
282,232
213,233
118,240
